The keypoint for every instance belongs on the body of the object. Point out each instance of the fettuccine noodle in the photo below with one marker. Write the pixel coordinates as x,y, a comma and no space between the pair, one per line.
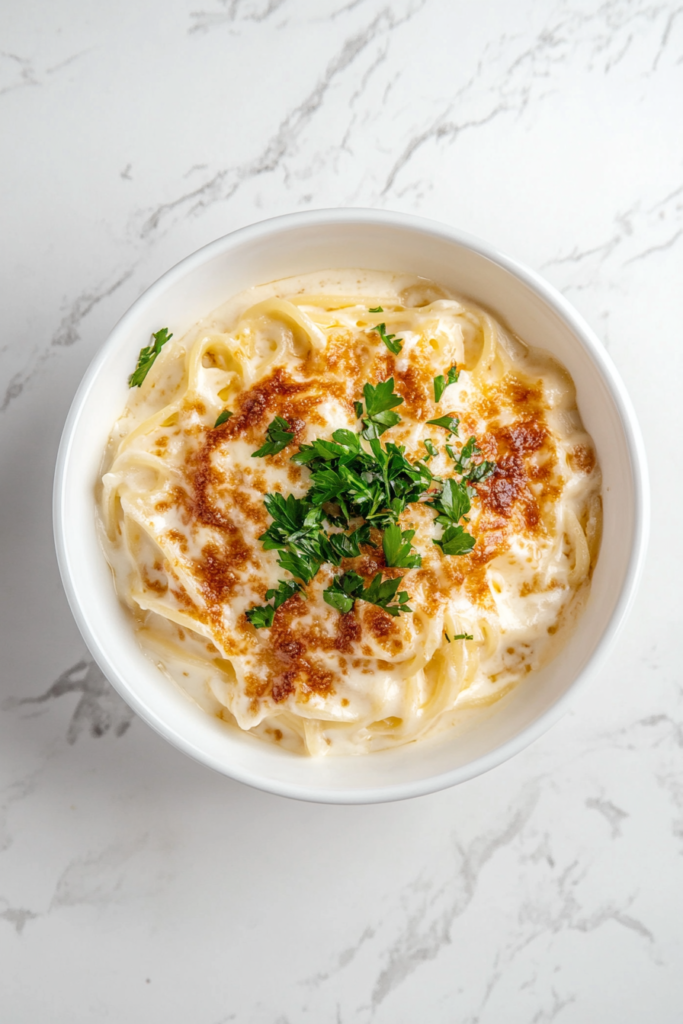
181,509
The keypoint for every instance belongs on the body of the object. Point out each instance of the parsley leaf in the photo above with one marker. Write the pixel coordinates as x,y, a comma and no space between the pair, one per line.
379,401
455,541
380,397
294,533
396,545
393,343
344,445
278,438
382,593
335,546
261,616
284,590
468,450
481,472
449,422
293,520
463,636
344,591
304,567
473,473
452,375
441,382
347,588
147,356
223,418
377,309
358,409
430,448
453,502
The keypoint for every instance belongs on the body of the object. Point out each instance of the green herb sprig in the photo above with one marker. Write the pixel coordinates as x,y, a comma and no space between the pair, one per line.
393,343
147,356
223,418
473,472
379,401
455,541
449,423
261,616
441,382
278,436
296,533
357,486
453,502
396,545
349,587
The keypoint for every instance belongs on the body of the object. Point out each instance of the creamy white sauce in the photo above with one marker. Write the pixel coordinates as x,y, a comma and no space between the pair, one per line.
383,688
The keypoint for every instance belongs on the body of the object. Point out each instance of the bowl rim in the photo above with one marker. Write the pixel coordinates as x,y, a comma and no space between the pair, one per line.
634,442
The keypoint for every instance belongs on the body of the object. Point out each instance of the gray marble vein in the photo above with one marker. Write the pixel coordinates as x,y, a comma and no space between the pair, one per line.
68,333
97,878
99,710
137,886
17,916
224,184
234,11
425,933
610,812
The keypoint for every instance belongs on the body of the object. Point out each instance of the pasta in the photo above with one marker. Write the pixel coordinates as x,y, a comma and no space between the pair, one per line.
184,511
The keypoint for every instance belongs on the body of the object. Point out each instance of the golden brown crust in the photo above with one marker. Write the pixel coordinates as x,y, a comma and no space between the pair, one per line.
507,419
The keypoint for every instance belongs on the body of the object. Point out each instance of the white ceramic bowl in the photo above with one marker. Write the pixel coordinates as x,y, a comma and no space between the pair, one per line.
384,241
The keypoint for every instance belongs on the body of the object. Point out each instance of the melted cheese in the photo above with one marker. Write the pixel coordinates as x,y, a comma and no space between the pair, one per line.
182,510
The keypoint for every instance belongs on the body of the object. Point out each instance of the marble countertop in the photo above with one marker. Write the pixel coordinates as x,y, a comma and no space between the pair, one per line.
137,886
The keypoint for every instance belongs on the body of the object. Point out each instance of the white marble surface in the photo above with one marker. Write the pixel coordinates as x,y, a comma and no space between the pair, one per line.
137,886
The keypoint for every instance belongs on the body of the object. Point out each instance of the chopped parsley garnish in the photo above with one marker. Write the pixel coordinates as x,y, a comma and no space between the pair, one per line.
474,473
375,485
382,592
450,423
261,616
458,636
278,436
223,418
296,533
393,343
377,309
349,587
344,591
441,382
147,356
358,484
396,545
456,541
481,472
452,503
379,401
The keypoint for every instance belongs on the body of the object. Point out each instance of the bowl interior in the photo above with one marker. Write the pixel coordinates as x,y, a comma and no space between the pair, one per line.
299,244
